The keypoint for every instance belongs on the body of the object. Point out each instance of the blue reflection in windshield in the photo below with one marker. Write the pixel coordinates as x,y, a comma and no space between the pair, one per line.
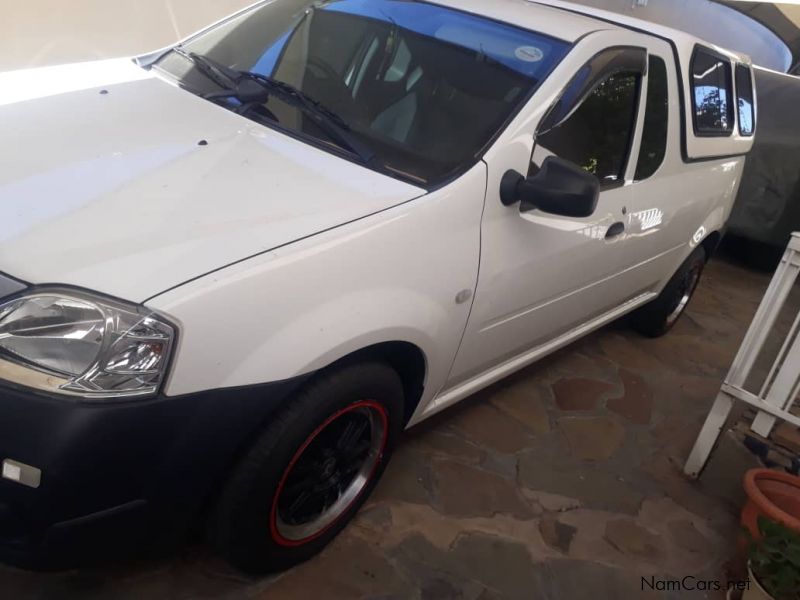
524,51
266,64
528,53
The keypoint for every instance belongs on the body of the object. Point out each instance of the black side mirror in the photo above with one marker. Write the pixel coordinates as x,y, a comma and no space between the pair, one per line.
560,188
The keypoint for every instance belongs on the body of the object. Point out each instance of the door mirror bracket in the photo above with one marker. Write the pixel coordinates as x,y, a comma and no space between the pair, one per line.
560,188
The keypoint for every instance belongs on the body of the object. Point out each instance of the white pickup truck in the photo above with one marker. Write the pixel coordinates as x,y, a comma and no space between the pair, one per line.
234,270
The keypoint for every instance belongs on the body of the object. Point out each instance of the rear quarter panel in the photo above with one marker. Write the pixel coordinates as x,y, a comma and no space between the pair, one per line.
692,201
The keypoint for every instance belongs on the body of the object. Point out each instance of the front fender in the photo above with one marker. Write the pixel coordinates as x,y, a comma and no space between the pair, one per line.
392,276
348,324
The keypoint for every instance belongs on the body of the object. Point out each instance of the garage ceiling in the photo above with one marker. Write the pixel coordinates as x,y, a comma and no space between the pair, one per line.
781,18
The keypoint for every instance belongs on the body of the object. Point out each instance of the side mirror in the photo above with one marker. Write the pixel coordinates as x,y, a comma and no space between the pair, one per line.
560,188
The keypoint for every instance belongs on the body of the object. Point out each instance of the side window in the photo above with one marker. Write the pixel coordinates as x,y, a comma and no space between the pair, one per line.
597,135
656,120
711,93
744,93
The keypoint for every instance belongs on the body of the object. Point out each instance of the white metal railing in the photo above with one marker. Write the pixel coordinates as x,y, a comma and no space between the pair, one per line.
781,386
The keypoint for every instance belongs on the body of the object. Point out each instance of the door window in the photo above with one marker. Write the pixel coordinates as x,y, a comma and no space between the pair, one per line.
711,93
656,120
597,136
744,91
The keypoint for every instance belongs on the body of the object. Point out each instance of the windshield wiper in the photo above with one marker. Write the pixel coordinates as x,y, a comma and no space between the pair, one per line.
251,88
208,68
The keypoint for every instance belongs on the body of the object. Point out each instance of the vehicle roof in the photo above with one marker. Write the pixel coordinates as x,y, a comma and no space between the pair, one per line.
551,21
570,21
681,38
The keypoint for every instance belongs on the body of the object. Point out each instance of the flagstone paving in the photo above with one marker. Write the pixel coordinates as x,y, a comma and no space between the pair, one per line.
562,482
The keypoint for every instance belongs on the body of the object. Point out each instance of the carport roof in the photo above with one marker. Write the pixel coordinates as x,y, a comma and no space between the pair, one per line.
781,19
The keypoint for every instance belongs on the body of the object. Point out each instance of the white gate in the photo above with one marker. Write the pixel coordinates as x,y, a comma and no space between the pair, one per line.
781,386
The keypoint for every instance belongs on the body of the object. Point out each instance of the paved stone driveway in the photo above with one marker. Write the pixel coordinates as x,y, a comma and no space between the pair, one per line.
560,483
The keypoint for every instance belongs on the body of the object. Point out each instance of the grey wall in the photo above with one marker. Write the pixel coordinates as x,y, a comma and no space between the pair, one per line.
711,21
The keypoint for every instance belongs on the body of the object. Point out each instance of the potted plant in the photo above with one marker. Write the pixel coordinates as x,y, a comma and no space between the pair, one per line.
771,494
774,563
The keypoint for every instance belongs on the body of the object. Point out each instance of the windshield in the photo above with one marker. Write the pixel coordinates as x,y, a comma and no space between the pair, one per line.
425,87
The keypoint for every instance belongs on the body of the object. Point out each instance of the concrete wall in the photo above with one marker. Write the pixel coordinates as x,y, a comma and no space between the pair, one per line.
44,32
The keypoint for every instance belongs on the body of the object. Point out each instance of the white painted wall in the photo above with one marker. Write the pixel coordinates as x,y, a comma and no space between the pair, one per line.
46,32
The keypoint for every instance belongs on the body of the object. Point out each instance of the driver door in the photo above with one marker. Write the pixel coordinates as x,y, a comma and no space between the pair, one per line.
544,276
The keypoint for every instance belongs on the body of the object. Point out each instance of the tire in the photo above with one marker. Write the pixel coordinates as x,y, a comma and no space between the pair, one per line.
268,516
660,315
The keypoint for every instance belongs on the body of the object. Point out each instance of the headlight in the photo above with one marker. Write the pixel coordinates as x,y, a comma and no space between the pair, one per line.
78,344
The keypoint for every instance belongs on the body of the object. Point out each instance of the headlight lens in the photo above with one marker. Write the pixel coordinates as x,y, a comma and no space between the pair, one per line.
75,343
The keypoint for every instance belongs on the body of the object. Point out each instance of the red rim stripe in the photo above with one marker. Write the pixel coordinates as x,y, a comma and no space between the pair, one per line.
273,518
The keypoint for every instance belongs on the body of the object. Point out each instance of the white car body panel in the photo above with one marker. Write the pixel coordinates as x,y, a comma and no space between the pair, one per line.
276,258
579,275
134,205
542,275
391,277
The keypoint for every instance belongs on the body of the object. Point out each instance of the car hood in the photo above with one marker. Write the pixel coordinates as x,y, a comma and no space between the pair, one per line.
115,180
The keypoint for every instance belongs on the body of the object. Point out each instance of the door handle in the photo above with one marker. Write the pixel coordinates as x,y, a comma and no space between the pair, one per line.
615,230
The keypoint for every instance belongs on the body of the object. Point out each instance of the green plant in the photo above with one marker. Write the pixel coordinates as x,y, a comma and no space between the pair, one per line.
775,560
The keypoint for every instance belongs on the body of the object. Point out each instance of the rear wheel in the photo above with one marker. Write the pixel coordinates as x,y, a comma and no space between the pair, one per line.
659,316
311,469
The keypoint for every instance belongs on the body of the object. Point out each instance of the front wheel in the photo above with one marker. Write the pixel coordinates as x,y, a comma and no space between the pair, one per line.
659,316
310,470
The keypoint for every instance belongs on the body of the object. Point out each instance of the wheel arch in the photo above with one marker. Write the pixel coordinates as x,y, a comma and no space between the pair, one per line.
710,243
406,358
708,235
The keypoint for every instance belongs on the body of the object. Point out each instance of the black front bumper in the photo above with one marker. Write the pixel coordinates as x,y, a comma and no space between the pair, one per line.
119,478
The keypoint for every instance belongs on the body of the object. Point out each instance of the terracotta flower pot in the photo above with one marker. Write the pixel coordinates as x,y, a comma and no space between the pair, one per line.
771,494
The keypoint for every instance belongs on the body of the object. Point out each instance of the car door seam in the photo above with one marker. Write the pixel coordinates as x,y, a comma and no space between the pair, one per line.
508,318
